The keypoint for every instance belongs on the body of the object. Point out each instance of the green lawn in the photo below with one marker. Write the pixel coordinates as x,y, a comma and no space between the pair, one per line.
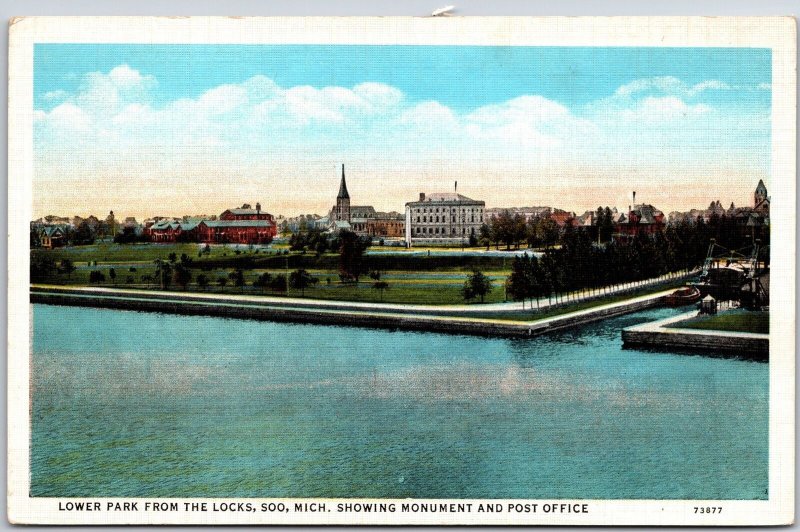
423,282
565,308
733,320
428,288
105,252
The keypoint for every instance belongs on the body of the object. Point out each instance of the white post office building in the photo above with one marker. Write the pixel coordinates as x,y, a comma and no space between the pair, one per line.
445,218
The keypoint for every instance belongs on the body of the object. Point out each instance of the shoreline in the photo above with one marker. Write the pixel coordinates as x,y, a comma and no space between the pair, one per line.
332,313
658,335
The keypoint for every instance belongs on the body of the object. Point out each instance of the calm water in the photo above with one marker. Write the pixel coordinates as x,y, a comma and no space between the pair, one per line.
137,404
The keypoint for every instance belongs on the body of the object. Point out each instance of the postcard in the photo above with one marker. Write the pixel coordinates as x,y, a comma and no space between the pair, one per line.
418,271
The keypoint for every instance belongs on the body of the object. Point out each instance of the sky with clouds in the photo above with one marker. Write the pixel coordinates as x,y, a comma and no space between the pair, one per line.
194,129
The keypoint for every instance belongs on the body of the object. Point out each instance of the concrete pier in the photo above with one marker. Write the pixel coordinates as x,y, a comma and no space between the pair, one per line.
331,312
658,334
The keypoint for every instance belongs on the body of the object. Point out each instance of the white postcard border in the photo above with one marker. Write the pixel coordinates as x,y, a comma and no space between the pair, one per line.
775,33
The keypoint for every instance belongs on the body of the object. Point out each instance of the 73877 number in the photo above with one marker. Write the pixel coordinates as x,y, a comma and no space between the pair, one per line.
708,509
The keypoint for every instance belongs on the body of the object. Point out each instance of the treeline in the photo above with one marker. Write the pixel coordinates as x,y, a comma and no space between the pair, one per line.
581,264
512,230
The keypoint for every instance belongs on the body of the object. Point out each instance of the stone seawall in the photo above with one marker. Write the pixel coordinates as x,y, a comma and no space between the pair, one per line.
658,335
233,308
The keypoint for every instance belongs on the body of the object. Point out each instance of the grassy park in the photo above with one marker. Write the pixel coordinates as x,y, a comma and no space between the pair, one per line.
433,280
387,275
738,320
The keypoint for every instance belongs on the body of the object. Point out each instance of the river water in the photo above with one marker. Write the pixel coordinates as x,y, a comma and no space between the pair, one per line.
136,404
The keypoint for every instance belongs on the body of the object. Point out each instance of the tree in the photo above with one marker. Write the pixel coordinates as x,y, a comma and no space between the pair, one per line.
278,283
607,226
485,236
222,281
518,284
301,279
113,274
67,267
476,285
96,277
163,273
517,229
351,255
263,281
202,281
237,276
83,235
380,286
41,267
182,275
172,257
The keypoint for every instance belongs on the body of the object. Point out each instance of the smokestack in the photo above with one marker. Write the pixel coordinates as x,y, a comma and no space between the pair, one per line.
422,196
456,186
258,208
634,198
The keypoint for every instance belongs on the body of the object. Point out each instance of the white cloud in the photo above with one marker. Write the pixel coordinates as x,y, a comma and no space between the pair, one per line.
666,108
125,76
711,84
111,126
55,95
669,85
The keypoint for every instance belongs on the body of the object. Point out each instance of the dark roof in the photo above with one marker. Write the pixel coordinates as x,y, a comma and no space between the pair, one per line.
343,188
446,197
237,223
51,231
243,212
362,211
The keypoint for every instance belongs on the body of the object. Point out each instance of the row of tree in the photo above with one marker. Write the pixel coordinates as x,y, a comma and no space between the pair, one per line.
582,264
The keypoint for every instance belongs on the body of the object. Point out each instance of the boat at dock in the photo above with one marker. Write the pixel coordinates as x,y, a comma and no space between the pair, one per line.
683,296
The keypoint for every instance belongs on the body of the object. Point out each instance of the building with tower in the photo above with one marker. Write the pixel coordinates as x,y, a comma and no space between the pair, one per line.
363,220
341,211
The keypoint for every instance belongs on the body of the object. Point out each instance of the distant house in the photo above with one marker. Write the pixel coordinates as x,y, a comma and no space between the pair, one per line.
562,218
52,236
643,219
164,231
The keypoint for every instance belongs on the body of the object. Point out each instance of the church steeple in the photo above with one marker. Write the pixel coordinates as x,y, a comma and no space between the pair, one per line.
343,188
342,212
760,194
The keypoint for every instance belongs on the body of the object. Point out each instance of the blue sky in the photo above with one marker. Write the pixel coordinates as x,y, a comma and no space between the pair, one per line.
515,125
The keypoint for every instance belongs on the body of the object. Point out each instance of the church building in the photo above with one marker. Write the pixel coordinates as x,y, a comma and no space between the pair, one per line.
363,220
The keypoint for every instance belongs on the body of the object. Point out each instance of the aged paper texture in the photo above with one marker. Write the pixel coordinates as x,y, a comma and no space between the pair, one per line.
401,270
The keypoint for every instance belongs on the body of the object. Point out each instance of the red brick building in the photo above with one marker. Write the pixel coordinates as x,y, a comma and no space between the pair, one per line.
236,231
641,220
245,212
235,226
